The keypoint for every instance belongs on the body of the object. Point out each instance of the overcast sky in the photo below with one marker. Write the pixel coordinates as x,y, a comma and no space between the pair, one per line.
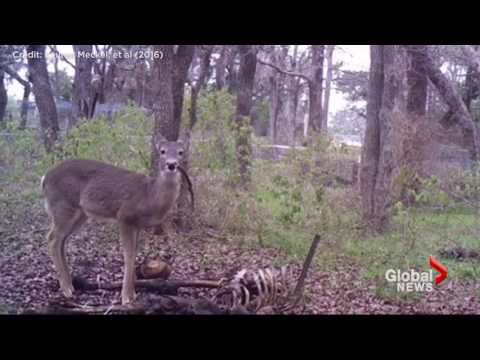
354,57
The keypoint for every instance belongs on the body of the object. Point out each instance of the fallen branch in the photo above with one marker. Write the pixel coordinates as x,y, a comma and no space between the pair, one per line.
164,305
169,287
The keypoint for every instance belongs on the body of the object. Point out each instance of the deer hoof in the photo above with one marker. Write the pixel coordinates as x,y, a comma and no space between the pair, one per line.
128,300
68,292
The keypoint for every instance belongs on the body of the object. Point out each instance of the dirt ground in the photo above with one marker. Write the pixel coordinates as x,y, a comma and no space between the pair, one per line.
27,278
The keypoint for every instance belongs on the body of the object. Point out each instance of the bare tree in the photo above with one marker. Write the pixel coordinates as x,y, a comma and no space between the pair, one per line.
472,56
220,67
316,88
276,96
246,77
231,77
314,79
416,80
3,97
54,50
472,79
26,95
182,61
163,105
457,106
82,83
377,153
42,90
24,107
328,84
102,84
205,54
294,88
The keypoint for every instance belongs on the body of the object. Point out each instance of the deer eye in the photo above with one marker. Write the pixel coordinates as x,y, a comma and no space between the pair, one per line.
180,152
162,151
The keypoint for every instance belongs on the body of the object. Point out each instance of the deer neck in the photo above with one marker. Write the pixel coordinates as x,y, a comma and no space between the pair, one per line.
165,190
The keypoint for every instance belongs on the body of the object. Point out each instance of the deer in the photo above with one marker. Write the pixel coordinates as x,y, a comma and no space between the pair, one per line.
79,189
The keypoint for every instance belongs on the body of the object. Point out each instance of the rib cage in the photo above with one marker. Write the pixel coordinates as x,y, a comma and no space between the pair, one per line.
255,289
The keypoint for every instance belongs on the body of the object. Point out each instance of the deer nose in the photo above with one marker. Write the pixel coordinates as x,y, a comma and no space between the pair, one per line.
172,165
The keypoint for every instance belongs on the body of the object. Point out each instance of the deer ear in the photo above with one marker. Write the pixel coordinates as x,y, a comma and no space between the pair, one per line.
182,139
158,140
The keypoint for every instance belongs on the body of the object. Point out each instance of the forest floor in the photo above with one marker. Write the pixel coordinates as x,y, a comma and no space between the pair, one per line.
27,278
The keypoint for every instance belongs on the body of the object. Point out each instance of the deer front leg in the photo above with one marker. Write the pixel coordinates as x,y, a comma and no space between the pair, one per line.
64,223
128,238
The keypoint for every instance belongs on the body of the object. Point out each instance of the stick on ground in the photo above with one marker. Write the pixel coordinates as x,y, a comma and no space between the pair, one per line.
298,292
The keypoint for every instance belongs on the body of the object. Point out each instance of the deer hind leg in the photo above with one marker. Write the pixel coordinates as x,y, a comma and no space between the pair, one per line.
64,223
129,240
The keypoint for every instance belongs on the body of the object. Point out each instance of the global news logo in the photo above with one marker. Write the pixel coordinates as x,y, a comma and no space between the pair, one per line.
412,280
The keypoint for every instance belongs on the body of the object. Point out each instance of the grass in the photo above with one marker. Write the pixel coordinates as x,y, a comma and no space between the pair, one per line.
415,235
433,232
292,210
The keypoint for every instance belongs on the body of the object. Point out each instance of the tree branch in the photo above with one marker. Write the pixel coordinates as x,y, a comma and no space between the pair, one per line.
473,56
455,102
15,76
290,73
61,56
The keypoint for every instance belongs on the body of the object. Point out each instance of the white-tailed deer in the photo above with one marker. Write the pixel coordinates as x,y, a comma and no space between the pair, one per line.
80,189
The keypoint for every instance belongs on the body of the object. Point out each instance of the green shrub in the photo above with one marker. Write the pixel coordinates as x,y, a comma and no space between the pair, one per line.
124,140
213,139
19,150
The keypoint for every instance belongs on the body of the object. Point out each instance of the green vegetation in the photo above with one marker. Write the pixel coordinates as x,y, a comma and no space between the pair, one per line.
289,201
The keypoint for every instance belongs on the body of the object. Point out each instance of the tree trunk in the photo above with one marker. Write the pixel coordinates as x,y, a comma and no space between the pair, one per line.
55,65
108,82
283,129
412,132
220,67
471,88
24,107
275,99
182,60
232,76
26,94
377,151
371,143
452,97
3,98
163,100
294,91
82,84
315,88
328,82
246,77
140,79
383,181
42,90
472,83
416,80
199,83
